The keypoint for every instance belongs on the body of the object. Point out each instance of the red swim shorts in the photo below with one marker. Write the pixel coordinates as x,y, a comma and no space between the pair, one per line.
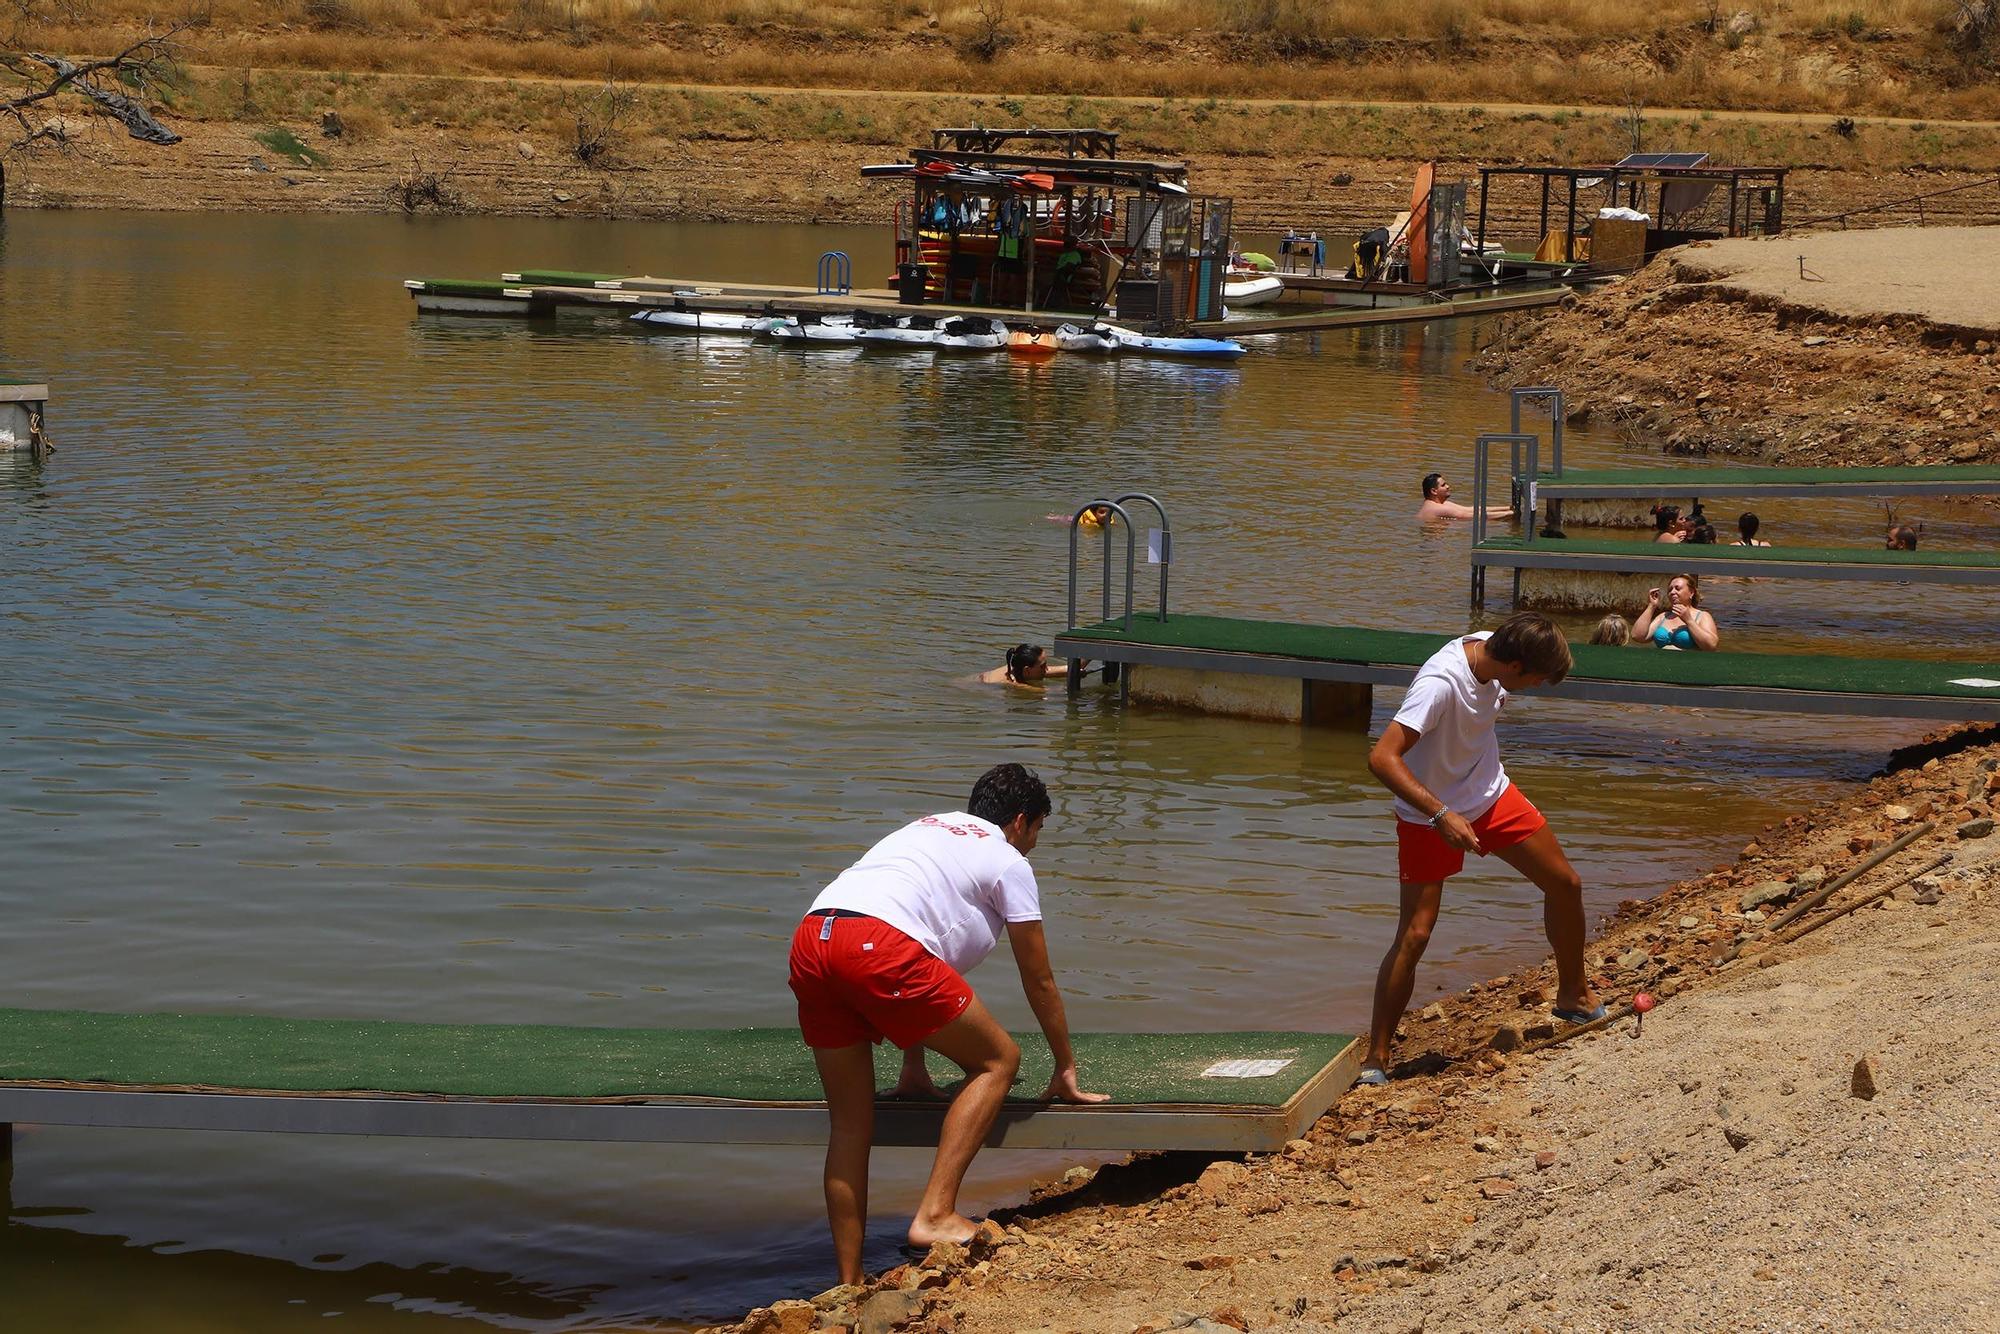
858,979
1422,855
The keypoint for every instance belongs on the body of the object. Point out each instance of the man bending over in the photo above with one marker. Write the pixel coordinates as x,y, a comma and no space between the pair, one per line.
1441,760
882,953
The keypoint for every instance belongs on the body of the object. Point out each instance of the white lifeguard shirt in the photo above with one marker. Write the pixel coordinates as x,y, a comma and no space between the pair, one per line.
1456,756
950,882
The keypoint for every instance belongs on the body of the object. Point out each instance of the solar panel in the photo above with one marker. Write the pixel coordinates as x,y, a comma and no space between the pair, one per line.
1661,160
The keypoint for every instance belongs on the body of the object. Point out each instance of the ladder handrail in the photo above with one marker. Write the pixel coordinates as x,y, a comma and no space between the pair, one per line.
1131,554
1166,542
1555,395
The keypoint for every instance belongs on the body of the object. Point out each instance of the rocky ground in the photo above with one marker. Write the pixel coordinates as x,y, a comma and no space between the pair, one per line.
1874,347
1801,1137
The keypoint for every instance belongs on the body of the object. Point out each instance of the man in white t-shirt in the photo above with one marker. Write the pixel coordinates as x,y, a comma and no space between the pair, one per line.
882,954
1441,760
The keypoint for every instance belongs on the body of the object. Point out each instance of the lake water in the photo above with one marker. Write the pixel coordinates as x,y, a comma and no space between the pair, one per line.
372,665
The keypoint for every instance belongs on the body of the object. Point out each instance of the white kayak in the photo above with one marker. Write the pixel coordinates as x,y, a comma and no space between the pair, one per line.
837,330
704,321
1217,349
1097,338
905,332
1251,289
970,333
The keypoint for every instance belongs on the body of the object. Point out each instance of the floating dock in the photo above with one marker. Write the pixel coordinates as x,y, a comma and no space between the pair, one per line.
538,294
1325,674
1219,1092
1350,318
24,406
1768,483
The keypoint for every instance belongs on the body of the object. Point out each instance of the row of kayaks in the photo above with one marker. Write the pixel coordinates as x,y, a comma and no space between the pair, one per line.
959,333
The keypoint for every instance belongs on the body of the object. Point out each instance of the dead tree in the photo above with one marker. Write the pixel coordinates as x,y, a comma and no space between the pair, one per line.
40,78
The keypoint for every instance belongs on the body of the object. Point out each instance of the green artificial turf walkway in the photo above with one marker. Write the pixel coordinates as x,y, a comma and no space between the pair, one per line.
546,1061
1765,481
1680,553
1397,648
566,278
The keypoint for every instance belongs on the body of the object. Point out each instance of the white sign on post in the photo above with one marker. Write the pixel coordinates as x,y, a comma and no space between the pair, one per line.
1156,546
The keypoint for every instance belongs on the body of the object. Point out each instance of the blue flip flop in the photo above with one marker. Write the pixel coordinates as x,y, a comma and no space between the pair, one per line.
1372,1075
1582,1016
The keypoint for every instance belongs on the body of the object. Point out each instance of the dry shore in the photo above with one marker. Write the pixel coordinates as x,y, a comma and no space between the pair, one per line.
511,147
1800,1138
1864,348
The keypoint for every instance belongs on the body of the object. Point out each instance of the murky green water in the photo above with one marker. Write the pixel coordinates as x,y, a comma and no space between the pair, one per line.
363,664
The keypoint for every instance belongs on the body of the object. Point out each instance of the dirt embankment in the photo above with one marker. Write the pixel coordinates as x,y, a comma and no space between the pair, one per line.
1801,1136
1866,348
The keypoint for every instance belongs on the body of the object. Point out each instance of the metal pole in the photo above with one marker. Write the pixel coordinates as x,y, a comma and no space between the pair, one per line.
1481,243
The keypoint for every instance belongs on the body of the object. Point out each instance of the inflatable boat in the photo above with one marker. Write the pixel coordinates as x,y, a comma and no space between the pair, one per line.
1251,289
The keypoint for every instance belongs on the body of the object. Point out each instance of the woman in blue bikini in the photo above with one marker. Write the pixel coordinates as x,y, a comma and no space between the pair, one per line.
1680,623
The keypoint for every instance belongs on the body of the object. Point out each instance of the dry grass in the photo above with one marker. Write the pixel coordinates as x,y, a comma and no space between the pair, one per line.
1858,57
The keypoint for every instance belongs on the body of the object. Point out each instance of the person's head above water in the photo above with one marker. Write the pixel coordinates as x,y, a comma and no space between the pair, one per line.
1027,663
1747,524
1613,630
1902,538
1665,517
1436,487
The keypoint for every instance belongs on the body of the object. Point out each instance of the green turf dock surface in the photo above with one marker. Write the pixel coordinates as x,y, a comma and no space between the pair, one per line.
1613,483
1776,562
547,1061
560,278
471,287
1781,681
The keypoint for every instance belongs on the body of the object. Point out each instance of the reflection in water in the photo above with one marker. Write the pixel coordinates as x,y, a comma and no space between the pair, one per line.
491,670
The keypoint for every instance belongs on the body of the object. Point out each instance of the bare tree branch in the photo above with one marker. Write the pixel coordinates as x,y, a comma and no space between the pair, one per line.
139,61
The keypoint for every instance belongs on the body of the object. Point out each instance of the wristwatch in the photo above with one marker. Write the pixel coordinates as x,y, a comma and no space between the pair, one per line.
1442,811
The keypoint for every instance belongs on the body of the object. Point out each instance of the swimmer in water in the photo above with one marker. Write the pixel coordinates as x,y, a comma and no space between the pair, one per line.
1028,666
1091,520
1438,503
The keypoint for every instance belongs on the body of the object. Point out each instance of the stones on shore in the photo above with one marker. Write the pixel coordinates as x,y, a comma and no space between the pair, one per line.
1739,1138
1219,1180
1979,828
1505,1038
887,1309
1763,892
1861,1083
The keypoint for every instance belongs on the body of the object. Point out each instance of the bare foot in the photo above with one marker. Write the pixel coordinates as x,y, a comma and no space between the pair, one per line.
951,1227
918,1086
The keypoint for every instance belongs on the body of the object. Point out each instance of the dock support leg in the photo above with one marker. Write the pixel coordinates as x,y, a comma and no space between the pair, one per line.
6,1142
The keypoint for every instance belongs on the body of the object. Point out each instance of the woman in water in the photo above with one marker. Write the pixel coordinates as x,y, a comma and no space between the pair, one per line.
1678,621
1668,525
1028,666
1747,525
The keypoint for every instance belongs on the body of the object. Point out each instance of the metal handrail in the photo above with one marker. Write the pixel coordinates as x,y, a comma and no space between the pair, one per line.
1555,395
1481,489
1166,543
1131,557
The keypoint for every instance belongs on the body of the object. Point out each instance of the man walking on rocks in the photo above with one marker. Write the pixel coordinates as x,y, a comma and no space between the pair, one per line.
882,953
1441,761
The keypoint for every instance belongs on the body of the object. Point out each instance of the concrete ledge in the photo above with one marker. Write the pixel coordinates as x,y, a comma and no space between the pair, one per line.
1282,699
1586,590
